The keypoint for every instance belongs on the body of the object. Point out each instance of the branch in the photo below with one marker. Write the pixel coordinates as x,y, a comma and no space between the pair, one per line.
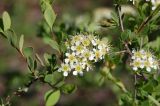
135,90
20,91
120,18
127,48
153,100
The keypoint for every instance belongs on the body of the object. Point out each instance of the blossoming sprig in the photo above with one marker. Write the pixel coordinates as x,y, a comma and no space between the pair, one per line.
82,51
154,3
143,60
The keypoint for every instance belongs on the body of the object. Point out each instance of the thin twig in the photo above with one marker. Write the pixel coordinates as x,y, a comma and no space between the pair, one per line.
153,100
120,18
121,52
135,90
19,92
127,48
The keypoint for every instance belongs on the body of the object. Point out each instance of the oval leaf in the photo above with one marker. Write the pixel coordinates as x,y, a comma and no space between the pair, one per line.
49,15
28,51
53,78
6,21
52,43
51,97
21,41
68,88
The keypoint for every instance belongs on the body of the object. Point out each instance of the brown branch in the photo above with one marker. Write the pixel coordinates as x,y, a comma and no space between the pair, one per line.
20,91
127,48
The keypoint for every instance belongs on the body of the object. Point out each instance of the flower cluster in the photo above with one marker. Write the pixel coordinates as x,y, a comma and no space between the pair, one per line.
143,60
82,51
155,3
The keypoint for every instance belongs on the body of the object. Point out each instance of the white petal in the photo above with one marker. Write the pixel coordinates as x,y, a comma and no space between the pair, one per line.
94,42
99,46
135,68
73,48
67,54
154,67
133,57
150,59
81,73
148,69
91,57
65,74
66,60
73,53
77,43
141,66
59,70
75,72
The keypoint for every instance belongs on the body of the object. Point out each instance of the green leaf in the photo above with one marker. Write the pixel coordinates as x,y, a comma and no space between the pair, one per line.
31,63
2,33
21,41
28,51
68,88
39,59
54,78
142,40
6,21
47,57
49,15
51,97
12,37
52,43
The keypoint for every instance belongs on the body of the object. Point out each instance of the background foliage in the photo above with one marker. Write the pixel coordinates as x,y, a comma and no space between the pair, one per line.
37,30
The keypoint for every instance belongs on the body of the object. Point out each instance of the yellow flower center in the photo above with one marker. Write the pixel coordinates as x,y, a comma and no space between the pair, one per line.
87,54
86,42
148,54
79,48
147,63
138,54
65,68
71,57
97,54
78,68
136,63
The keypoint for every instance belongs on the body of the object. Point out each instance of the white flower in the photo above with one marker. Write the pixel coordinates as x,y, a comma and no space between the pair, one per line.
78,49
86,42
144,60
78,69
88,66
135,68
76,40
136,64
155,3
65,68
98,54
70,58
82,51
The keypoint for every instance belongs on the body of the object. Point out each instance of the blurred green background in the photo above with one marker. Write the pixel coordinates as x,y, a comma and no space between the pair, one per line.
26,17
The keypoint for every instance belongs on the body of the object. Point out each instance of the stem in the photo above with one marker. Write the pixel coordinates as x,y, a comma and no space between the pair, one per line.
148,19
135,91
128,50
19,92
116,82
122,28
153,100
120,18
121,52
